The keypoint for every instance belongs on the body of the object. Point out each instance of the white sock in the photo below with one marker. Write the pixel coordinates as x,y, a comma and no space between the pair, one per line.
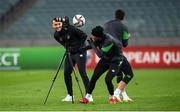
124,94
69,95
88,96
117,92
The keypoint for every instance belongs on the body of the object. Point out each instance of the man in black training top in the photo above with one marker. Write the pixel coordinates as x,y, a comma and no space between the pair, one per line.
111,57
72,39
119,31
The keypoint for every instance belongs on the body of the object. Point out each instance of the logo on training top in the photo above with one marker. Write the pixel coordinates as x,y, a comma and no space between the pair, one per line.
113,70
9,59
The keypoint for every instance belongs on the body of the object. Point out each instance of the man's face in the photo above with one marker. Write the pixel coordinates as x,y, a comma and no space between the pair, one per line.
57,25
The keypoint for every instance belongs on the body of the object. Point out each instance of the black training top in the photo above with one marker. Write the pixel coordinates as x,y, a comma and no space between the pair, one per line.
109,48
71,38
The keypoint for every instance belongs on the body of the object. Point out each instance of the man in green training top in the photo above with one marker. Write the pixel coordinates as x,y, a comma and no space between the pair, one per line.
109,50
119,31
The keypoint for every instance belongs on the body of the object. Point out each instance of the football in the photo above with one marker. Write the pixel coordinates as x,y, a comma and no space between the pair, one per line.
78,20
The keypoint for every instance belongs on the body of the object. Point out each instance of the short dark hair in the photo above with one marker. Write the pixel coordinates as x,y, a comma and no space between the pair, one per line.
97,31
119,14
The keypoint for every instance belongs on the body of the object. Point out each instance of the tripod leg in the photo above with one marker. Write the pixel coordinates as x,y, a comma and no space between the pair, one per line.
72,96
77,80
53,80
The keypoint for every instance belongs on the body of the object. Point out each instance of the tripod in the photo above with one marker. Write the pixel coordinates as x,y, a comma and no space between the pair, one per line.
66,55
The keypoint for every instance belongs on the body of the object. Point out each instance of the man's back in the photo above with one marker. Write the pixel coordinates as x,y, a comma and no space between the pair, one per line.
116,29
110,47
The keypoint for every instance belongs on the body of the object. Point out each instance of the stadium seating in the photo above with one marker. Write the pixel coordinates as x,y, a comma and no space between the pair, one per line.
145,18
5,5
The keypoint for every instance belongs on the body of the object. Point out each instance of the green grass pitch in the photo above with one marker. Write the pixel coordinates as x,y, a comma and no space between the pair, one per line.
150,89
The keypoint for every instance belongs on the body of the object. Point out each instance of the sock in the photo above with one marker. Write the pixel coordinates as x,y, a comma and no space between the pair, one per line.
69,95
117,92
124,94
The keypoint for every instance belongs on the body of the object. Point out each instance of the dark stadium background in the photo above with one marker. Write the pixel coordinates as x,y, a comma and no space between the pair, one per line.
28,49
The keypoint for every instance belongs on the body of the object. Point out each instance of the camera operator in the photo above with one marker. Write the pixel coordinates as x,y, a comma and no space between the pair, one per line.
72,39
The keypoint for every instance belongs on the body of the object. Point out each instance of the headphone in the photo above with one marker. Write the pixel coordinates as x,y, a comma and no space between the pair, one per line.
64,20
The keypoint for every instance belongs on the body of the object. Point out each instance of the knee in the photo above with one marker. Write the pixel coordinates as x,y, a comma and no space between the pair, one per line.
128,78
67,74
131,75
119,78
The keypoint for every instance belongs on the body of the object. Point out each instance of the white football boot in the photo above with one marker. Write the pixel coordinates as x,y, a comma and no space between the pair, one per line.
90,99
68,98
127,99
